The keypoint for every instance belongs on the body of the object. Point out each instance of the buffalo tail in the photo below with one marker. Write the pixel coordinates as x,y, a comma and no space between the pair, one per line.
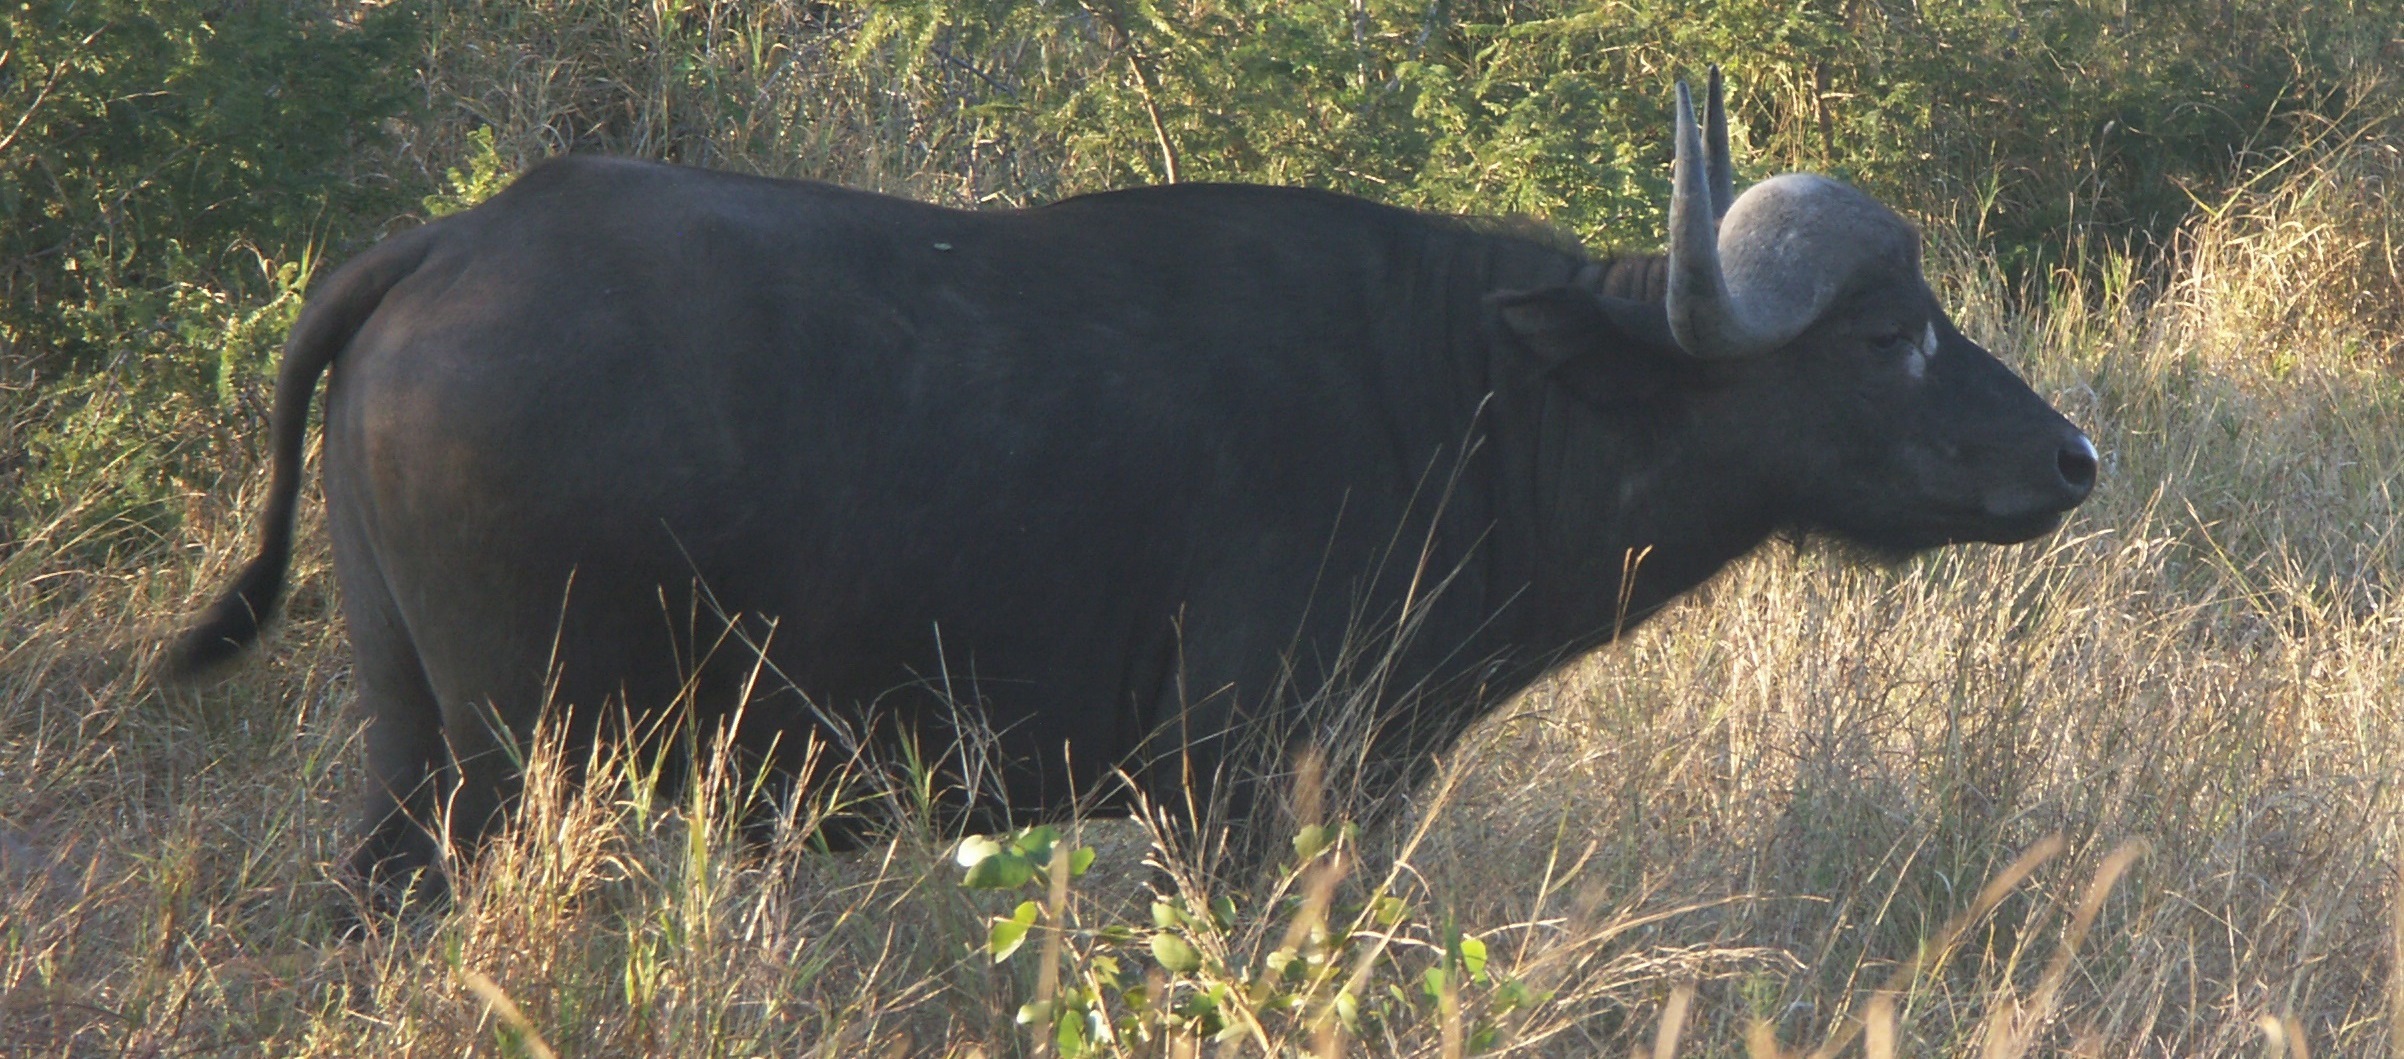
334,313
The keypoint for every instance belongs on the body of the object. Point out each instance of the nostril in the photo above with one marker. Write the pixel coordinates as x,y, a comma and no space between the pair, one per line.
2077,463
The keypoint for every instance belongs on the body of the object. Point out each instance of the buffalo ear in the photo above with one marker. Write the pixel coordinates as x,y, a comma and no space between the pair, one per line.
1607,352
1562,324
1556,324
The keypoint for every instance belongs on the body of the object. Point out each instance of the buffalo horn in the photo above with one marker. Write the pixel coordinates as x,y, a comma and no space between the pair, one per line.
1788,247
1715,141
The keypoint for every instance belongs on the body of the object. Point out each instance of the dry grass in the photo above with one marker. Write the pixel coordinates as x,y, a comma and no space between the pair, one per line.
2132,791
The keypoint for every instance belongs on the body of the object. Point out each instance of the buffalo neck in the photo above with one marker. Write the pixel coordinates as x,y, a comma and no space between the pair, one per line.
1604,510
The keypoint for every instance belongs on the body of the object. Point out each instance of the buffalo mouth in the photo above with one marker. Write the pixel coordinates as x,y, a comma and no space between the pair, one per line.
2011,511
2015,495
1984,525
2016,529
1900,539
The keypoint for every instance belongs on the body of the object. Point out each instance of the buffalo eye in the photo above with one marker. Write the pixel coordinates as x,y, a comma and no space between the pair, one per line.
1914,346
1898,341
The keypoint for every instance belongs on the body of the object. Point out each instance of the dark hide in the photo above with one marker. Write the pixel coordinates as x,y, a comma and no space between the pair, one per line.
1120,475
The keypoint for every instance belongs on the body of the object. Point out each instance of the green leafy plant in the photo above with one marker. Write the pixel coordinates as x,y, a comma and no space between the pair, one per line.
485,173
1359,966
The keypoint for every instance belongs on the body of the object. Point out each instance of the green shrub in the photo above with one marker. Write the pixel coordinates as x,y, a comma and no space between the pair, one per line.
1304,964
2040,125
169,175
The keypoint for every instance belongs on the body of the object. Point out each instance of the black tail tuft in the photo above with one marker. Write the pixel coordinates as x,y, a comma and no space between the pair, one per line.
231,623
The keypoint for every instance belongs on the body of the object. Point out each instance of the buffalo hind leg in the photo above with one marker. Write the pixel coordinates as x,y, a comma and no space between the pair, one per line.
396,863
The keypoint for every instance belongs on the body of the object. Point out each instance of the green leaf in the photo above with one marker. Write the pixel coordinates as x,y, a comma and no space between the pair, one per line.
1079,861
1389,910
1002,871
1035,844
1432,983
1199,1005
1007,934
1222,910
1166,915
1309,841
1070,1034
1175,954
1473,958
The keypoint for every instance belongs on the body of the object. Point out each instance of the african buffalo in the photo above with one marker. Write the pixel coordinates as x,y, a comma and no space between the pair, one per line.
1120,477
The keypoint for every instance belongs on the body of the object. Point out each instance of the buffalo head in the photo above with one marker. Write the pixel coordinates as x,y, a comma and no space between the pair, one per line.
1817,355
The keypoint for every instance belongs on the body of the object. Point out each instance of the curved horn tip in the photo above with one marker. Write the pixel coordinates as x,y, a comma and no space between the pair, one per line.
1718,167
1688,164
1699,316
